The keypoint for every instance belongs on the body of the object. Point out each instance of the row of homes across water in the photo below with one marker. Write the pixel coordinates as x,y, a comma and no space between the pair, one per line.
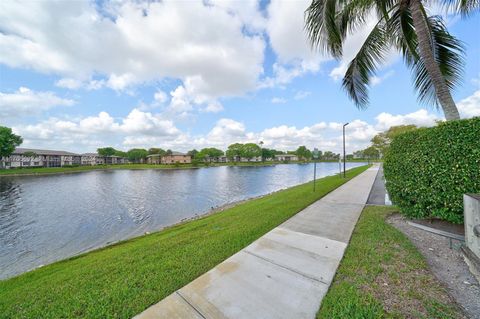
26,157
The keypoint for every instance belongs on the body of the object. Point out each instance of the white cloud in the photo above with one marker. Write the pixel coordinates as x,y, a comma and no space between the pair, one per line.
301,95
470,106
69,83
376,80
226,129
202,43
160,97
419,118
278,100
285,29
213,107
27,102
86,134
286,32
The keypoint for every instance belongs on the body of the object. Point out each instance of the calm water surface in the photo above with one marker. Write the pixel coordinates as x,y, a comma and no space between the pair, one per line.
48,218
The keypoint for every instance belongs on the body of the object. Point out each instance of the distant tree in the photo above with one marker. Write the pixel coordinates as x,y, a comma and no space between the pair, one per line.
358,154
156,150
371,153
209,153
169,152
251,150
328,156
106,151
234,150
137,154
8,142
303,153
382,141
268,153
120,153
193,153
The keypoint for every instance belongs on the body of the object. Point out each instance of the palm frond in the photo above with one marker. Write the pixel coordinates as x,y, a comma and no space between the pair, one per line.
365,64
353,14
404,38
448,54
464,7
321,27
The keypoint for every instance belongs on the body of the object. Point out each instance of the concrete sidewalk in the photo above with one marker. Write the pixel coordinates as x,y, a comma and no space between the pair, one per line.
285,273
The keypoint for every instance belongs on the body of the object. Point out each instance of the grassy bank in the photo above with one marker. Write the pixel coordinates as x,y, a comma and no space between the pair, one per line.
382,275
61,170
122,280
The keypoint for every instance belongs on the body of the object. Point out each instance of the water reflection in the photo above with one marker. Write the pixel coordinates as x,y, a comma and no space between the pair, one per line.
47,218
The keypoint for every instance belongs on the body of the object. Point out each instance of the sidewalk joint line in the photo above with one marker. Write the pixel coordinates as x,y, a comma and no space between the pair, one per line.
190,304
285,267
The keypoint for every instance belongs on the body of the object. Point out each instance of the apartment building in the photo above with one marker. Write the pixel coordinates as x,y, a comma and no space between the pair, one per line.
176,157
29,157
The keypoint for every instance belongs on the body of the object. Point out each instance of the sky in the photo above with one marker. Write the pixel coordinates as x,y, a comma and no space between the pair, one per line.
78,75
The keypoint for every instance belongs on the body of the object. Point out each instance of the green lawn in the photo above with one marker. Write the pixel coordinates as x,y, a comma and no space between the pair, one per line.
382,275
122,280
58,170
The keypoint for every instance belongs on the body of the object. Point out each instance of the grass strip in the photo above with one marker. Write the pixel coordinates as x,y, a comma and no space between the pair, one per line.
122,280
383,275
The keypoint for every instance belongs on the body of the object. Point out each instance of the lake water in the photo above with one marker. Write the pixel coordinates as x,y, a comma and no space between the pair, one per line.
48,218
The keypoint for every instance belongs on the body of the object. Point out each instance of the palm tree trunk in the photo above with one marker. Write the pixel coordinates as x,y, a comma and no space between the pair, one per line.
426,54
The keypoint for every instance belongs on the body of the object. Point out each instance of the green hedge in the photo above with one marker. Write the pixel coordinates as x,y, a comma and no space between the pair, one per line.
428,170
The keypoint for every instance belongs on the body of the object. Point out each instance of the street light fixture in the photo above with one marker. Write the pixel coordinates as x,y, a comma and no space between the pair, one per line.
344,158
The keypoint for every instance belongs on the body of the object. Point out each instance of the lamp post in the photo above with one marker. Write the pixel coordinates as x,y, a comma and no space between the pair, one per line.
261,150
315,156
344,158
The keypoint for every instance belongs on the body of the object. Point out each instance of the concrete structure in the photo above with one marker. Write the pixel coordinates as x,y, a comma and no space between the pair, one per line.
92,159
472,231
176,157
29,157
284,274
217,159
286,157
154,159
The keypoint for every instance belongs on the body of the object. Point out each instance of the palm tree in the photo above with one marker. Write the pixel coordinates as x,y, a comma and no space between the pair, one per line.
435,56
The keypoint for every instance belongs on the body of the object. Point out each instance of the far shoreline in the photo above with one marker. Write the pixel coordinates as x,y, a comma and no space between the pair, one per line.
45,171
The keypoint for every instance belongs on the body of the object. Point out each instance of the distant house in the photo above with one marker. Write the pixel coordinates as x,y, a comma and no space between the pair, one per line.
286,157
112,160
29,157
154,159
246,159
92,159
176,157
216,159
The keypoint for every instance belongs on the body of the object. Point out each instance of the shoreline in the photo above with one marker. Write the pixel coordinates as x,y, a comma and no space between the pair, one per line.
126,167
84,169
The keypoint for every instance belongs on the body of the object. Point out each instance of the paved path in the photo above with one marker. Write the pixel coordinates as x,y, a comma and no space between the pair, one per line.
285,273
378,193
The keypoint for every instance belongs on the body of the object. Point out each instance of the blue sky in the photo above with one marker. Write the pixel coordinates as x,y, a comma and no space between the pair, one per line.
182,75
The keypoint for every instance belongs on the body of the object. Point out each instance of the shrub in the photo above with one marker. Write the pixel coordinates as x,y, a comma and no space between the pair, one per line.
428,170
